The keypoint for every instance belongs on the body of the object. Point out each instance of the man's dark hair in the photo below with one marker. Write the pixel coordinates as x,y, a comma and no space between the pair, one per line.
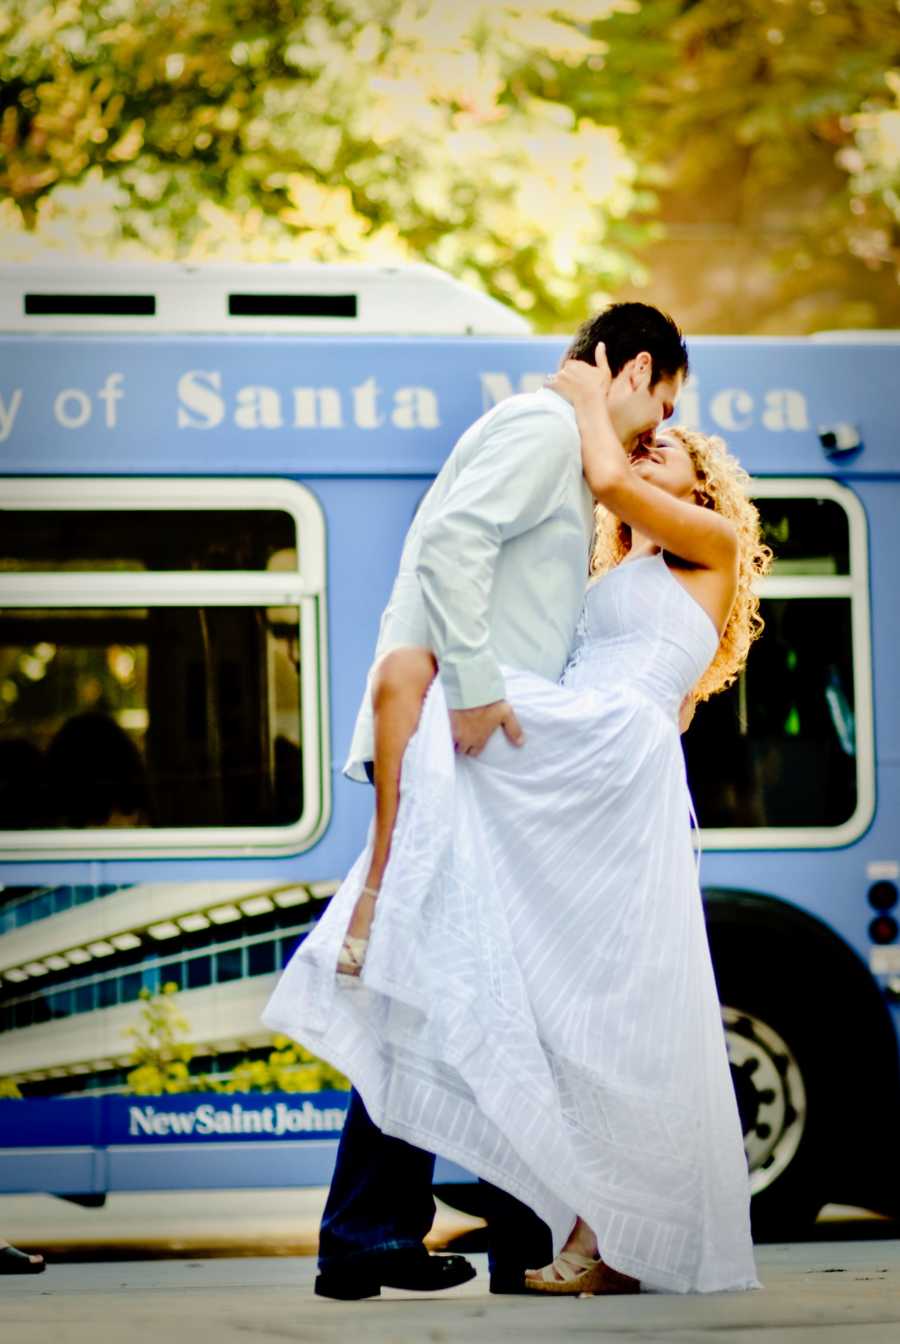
628,328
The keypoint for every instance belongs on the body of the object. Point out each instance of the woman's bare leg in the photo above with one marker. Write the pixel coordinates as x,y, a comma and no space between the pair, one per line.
399,687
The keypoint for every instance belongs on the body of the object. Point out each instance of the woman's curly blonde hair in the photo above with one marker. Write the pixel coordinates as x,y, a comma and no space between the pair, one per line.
723,484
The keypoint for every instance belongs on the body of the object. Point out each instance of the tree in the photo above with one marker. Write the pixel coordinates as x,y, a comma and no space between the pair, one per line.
734,159
873,163
160,1054
772,133
326,130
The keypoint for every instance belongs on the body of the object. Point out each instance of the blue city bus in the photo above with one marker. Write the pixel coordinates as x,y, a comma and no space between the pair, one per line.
207,476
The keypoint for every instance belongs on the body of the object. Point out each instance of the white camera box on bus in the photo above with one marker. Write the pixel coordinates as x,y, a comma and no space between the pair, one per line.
207,477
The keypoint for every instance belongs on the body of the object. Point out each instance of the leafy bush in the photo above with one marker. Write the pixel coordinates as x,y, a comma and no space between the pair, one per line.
161,1056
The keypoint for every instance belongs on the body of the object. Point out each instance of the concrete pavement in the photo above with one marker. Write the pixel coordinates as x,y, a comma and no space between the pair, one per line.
133,1271
147,1224
814,1293
199,1223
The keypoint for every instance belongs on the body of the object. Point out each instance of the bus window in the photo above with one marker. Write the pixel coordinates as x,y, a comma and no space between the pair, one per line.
785,756
145,540
161,672
174,716
807,536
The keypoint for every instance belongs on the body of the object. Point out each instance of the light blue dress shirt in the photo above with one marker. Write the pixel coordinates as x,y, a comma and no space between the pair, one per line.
495,564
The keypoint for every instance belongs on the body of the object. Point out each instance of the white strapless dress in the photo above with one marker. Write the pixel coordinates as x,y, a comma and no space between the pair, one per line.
538,1000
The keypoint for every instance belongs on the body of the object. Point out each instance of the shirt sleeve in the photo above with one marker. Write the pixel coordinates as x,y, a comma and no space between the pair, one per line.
515,480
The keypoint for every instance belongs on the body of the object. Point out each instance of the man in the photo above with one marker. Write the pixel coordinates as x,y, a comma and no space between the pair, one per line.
493,572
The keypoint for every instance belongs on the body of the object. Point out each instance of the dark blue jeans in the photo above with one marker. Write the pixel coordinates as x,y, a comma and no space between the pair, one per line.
380,1200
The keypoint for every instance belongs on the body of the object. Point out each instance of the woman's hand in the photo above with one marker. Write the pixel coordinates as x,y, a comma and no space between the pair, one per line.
583,384
586,388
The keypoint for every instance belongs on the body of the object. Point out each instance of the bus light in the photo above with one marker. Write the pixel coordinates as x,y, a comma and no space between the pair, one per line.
883,929
883,895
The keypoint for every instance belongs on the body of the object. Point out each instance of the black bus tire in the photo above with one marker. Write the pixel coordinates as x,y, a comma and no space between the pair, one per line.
781,1072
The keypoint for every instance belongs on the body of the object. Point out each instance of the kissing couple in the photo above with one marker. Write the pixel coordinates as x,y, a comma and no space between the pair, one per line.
515,973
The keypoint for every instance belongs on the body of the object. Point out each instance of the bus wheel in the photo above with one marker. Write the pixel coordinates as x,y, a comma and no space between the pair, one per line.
773,1080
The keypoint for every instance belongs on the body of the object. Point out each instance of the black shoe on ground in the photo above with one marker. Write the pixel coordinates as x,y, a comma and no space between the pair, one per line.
413,1269
13,1261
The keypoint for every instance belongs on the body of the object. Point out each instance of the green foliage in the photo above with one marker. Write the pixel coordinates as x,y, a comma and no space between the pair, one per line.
320,131
771,127
9,1090
161,1056
527,147
289,1068
873,162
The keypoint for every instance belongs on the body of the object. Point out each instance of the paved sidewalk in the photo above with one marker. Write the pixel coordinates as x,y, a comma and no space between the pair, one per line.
837,1293
147,1224
199,1223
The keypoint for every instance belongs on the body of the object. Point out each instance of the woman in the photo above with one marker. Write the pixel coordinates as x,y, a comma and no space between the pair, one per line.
537,999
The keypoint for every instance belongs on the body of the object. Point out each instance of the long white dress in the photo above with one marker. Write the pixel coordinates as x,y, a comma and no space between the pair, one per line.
538,1000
